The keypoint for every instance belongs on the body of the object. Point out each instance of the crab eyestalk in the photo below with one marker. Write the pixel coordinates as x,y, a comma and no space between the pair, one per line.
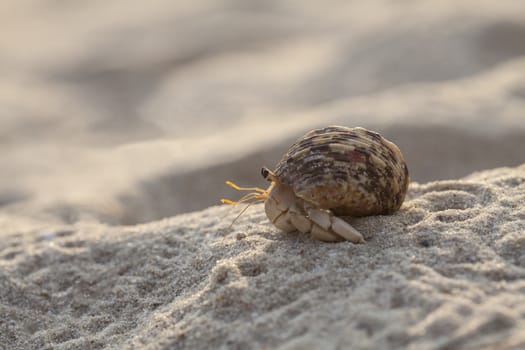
268,175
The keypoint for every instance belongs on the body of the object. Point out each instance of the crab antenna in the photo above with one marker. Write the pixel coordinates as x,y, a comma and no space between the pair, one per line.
244,209
245,198
238,188
259,195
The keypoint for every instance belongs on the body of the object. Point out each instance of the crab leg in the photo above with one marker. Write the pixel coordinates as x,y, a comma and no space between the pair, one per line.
323,235
322,225
325,222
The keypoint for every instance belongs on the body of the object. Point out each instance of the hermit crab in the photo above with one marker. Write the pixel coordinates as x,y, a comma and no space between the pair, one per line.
331,173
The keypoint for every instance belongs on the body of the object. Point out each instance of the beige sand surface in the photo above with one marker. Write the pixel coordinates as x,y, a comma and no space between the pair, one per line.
446,272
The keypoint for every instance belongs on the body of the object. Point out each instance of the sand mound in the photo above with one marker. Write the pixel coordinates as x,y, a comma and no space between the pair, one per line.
445,272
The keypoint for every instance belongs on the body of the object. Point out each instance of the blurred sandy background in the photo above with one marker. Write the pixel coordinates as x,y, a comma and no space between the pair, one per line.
127,112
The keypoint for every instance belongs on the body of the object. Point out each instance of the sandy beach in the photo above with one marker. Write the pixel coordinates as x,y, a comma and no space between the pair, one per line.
445,272
120,123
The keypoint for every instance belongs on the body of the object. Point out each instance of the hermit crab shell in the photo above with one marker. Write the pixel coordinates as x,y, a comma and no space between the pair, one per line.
352,171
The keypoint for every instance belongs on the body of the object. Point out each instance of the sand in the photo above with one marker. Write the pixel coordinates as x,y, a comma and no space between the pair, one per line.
445,272
120,122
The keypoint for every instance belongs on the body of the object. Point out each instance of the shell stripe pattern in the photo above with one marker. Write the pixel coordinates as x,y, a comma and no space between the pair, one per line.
352,171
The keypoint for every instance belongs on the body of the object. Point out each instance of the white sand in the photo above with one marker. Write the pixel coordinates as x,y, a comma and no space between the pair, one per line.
446,272
117,114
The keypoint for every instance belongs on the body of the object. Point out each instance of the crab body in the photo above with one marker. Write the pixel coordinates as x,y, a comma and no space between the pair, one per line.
332,172
289,213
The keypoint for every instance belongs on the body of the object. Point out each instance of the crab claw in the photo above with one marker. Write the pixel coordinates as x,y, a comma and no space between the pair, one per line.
277,205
